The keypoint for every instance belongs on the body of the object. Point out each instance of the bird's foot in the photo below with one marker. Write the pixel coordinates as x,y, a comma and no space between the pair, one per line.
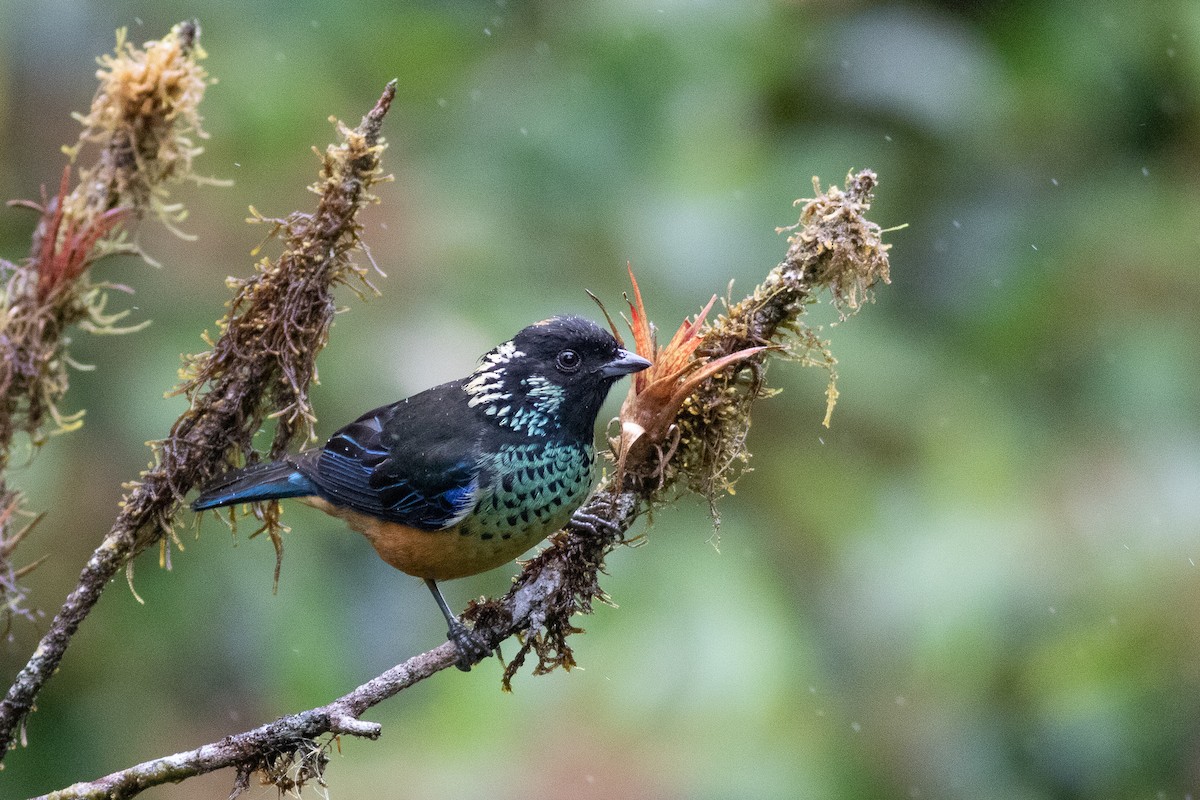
471,647
594,524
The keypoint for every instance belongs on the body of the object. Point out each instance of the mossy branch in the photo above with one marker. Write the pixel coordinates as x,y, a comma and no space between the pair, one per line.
139,135
260,365
833,247
697,441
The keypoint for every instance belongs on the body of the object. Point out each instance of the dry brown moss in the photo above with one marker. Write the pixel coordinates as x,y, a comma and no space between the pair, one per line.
832,246
263,362
145,119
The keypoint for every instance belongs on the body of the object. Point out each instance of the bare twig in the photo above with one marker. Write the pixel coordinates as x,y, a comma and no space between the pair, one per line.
263,361
563,580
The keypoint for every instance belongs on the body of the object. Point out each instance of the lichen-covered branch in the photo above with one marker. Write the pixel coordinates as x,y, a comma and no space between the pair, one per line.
833,247
139,133
260,366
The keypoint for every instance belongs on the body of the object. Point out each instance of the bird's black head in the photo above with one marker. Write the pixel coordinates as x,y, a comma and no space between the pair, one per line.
551,378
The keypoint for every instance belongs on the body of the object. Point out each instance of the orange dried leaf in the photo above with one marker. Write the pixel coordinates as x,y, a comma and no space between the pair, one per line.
713,367
657,394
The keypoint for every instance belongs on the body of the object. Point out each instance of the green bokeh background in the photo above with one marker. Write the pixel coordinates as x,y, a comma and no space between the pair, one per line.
981,582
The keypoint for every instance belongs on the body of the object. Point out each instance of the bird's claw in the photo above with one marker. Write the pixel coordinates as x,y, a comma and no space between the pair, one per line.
593,524
471,647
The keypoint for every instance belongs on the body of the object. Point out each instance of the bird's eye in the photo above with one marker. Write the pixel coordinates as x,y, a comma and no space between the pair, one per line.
568,361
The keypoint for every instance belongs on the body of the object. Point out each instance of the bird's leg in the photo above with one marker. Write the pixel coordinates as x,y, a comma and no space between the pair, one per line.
471,648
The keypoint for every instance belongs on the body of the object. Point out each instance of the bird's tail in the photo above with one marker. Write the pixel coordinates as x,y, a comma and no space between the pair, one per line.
271,481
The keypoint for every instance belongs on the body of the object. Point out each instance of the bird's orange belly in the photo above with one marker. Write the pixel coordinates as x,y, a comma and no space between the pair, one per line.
440,555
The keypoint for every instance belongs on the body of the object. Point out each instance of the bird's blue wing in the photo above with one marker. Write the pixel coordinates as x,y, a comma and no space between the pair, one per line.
414,462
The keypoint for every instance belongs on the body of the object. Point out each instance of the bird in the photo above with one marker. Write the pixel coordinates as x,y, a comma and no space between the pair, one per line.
463,477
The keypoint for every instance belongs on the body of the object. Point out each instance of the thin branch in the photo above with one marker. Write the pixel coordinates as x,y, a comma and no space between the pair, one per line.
836,248
264,360
263,747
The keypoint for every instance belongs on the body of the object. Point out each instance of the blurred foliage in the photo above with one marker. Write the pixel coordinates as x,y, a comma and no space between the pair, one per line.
981,582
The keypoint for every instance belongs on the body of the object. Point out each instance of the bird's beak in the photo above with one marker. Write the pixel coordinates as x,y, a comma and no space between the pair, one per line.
624,363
